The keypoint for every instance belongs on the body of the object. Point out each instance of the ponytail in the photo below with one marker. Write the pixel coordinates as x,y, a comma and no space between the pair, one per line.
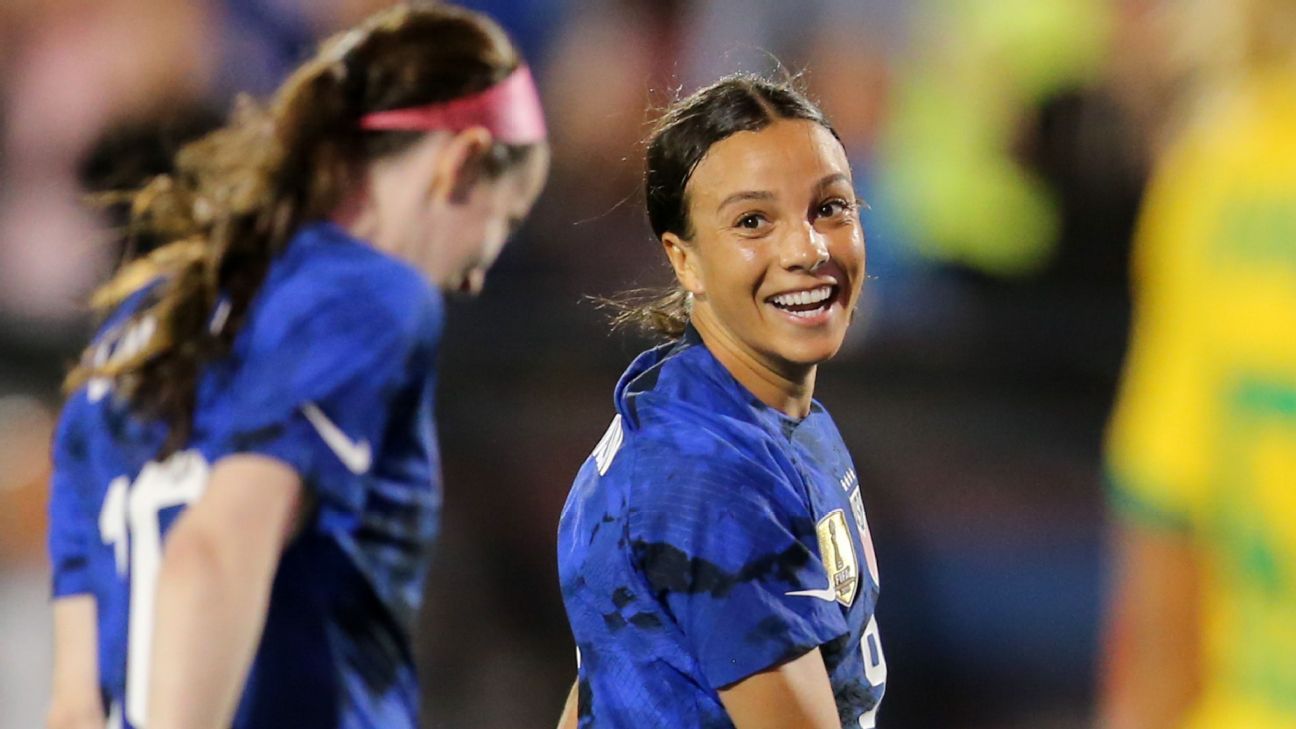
661,312
239,194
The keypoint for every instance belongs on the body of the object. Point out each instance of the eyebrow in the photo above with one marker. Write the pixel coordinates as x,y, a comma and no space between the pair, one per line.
830,180
745,195
826,181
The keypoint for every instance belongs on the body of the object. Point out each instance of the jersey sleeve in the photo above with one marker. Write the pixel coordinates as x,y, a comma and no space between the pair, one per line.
1159,443
316,382
72,522
74,501
723,541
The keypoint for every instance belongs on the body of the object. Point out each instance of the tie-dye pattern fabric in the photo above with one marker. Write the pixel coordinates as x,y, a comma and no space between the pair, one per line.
691,552
348,335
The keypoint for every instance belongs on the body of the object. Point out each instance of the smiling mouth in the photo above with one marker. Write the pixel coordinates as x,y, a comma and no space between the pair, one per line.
805,304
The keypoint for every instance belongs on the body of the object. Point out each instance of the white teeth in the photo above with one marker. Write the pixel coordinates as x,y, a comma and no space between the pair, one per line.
801,298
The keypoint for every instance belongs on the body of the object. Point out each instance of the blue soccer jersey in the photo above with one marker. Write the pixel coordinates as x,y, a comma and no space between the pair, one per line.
333,374
710,537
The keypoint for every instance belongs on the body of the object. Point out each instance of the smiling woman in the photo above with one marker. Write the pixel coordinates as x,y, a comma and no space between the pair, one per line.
714,554
776,256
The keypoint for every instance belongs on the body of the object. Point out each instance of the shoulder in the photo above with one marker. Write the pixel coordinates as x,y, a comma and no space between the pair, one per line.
325,267
705,513
687,429
333,316
329,283
681,385
69,443
672,434
690,470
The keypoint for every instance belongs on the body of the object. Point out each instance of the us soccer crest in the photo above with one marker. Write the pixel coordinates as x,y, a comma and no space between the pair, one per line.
838,554
870,557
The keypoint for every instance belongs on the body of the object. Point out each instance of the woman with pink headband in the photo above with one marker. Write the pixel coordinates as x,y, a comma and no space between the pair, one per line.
246,478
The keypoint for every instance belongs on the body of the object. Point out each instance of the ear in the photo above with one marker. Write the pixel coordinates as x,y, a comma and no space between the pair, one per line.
459,167
683,258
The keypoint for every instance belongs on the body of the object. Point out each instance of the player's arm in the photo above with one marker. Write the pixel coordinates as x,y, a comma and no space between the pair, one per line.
74,691
794,695
1160,453
214,583
75,699
569,713
1152,661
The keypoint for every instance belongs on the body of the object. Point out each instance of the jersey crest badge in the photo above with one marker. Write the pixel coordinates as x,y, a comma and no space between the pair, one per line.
866,538
838,554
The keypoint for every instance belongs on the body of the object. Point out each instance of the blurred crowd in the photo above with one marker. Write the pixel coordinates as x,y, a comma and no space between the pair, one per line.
1003,147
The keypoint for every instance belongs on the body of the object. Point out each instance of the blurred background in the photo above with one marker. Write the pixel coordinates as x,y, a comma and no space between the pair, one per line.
1003,146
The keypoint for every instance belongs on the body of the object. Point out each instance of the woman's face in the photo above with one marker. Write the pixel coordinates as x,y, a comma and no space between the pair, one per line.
777,255
471,228
432,207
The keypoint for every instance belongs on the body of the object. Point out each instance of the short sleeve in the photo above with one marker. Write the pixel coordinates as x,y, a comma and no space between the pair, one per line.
724,542
1159,443
316,380
75,500
72,522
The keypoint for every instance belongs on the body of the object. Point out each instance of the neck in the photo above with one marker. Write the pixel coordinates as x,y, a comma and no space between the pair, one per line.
353,214
788,389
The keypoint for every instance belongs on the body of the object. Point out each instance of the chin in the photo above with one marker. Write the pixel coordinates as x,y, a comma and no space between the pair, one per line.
809,351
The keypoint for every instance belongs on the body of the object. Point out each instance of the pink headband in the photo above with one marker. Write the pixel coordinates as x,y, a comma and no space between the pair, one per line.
510,110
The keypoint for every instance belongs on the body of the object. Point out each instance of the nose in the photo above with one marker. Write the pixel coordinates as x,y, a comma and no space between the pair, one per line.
805,248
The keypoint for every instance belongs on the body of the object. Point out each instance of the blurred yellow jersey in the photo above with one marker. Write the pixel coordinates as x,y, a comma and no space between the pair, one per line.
1204,435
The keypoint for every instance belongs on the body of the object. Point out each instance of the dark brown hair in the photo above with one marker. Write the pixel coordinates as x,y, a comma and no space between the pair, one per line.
679,141
238,194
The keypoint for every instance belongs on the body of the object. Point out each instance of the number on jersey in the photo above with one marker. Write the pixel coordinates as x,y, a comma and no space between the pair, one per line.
129,521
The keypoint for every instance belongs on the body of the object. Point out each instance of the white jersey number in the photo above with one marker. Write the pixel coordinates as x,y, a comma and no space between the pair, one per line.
875,668
130,515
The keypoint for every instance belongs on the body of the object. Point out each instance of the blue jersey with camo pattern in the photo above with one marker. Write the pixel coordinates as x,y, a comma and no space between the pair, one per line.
332,373
710,537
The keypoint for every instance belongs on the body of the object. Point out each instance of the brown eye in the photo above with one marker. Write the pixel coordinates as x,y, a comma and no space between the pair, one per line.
750,222
833,208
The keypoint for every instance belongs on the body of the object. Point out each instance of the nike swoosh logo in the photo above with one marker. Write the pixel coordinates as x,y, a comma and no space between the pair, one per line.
355,455
827,594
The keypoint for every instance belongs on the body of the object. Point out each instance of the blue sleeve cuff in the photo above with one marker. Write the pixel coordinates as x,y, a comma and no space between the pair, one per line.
70,578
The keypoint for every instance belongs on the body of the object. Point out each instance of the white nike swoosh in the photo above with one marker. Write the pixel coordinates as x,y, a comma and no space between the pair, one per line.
828,594
355,455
